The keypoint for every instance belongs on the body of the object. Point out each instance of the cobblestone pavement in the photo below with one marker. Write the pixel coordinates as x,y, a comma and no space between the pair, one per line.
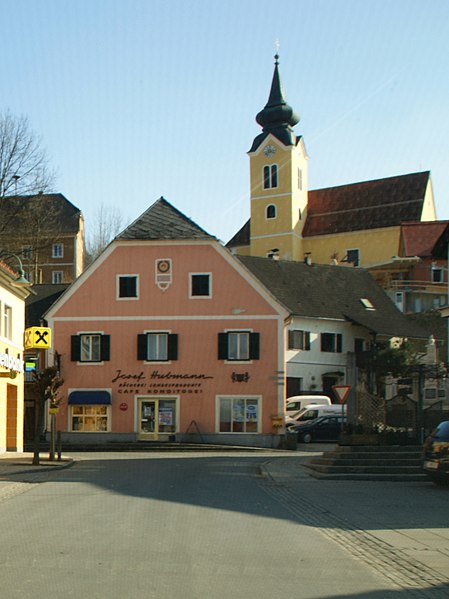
373,522
18,474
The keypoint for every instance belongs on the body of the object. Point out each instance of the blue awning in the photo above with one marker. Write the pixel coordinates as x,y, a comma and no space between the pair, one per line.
89,397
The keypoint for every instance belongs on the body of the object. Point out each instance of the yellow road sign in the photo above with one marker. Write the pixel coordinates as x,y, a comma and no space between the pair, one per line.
37,337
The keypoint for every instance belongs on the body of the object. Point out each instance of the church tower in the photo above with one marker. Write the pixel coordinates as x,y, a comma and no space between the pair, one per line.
278,176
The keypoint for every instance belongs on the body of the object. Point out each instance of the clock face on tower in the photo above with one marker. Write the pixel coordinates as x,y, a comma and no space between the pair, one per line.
269,151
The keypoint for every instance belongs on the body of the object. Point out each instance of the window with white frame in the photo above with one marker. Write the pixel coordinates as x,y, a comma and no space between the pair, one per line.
157,346
270,211
270,176
127,286
57,277
331,342
239,415
437,274
238,346
200,285
7,321
298,339
90,347
57,250
89,418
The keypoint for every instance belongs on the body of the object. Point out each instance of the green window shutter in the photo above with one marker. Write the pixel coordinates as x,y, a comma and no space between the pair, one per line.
75,350
142,347
172,348
307,340
339,343
105,348
254,346
222,346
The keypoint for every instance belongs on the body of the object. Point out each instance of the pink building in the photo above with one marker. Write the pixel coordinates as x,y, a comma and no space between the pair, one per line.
167,334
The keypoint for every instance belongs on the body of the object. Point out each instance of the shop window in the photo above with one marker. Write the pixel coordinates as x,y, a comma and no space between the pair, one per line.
127,286
90,347
89,418
157,347
331,342
239,415
238,346
298,339
200,285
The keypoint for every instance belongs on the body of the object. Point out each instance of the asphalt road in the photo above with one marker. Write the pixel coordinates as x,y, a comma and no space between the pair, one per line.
191,525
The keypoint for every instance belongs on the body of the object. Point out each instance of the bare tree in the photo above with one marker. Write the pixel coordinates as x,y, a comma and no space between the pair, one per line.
29,217
24,166
108,222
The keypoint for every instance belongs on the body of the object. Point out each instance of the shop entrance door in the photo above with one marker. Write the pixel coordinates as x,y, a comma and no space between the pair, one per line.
147,419
157,418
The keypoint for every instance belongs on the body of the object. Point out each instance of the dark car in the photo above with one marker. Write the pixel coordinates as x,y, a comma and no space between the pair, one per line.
436,454
326,428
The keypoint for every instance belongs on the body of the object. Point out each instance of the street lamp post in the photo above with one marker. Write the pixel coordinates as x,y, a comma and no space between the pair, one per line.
21,280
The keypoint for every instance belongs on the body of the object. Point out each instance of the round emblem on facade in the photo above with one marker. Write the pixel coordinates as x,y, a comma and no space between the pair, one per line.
163,266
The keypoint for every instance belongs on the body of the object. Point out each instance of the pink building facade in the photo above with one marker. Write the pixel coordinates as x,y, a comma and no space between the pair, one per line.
168,337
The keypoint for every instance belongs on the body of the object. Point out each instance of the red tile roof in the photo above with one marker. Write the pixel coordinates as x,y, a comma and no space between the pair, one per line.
367,205
419,239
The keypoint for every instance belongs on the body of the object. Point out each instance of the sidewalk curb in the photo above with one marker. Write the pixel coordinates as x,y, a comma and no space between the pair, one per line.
7,471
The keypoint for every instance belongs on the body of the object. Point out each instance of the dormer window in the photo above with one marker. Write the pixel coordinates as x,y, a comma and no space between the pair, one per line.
271,211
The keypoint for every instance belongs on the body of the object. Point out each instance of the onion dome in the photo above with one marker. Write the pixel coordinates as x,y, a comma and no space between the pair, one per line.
277,117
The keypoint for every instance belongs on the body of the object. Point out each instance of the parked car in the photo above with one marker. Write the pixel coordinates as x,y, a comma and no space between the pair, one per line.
298,402
313,411
325,428
436,454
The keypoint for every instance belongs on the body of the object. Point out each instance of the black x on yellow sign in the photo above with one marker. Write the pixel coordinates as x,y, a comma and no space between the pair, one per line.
37,337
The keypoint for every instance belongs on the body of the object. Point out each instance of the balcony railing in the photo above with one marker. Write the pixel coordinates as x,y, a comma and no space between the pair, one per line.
426,286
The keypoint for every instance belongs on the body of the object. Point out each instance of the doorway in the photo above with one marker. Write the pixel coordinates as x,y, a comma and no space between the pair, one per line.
11,418
157,418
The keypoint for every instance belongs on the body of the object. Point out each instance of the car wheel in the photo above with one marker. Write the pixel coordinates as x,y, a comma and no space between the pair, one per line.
307,437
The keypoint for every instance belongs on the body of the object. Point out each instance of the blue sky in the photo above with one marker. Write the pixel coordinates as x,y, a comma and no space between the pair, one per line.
135,99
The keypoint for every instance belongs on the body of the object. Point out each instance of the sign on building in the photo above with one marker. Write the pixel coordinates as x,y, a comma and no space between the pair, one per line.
37,338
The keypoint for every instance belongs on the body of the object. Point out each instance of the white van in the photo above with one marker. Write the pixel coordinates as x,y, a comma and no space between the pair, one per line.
314,411
298,402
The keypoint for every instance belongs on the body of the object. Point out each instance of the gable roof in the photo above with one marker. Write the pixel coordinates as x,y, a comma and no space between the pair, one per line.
419,239
163,221
61,210
358,206
331,292
39,302
367,205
